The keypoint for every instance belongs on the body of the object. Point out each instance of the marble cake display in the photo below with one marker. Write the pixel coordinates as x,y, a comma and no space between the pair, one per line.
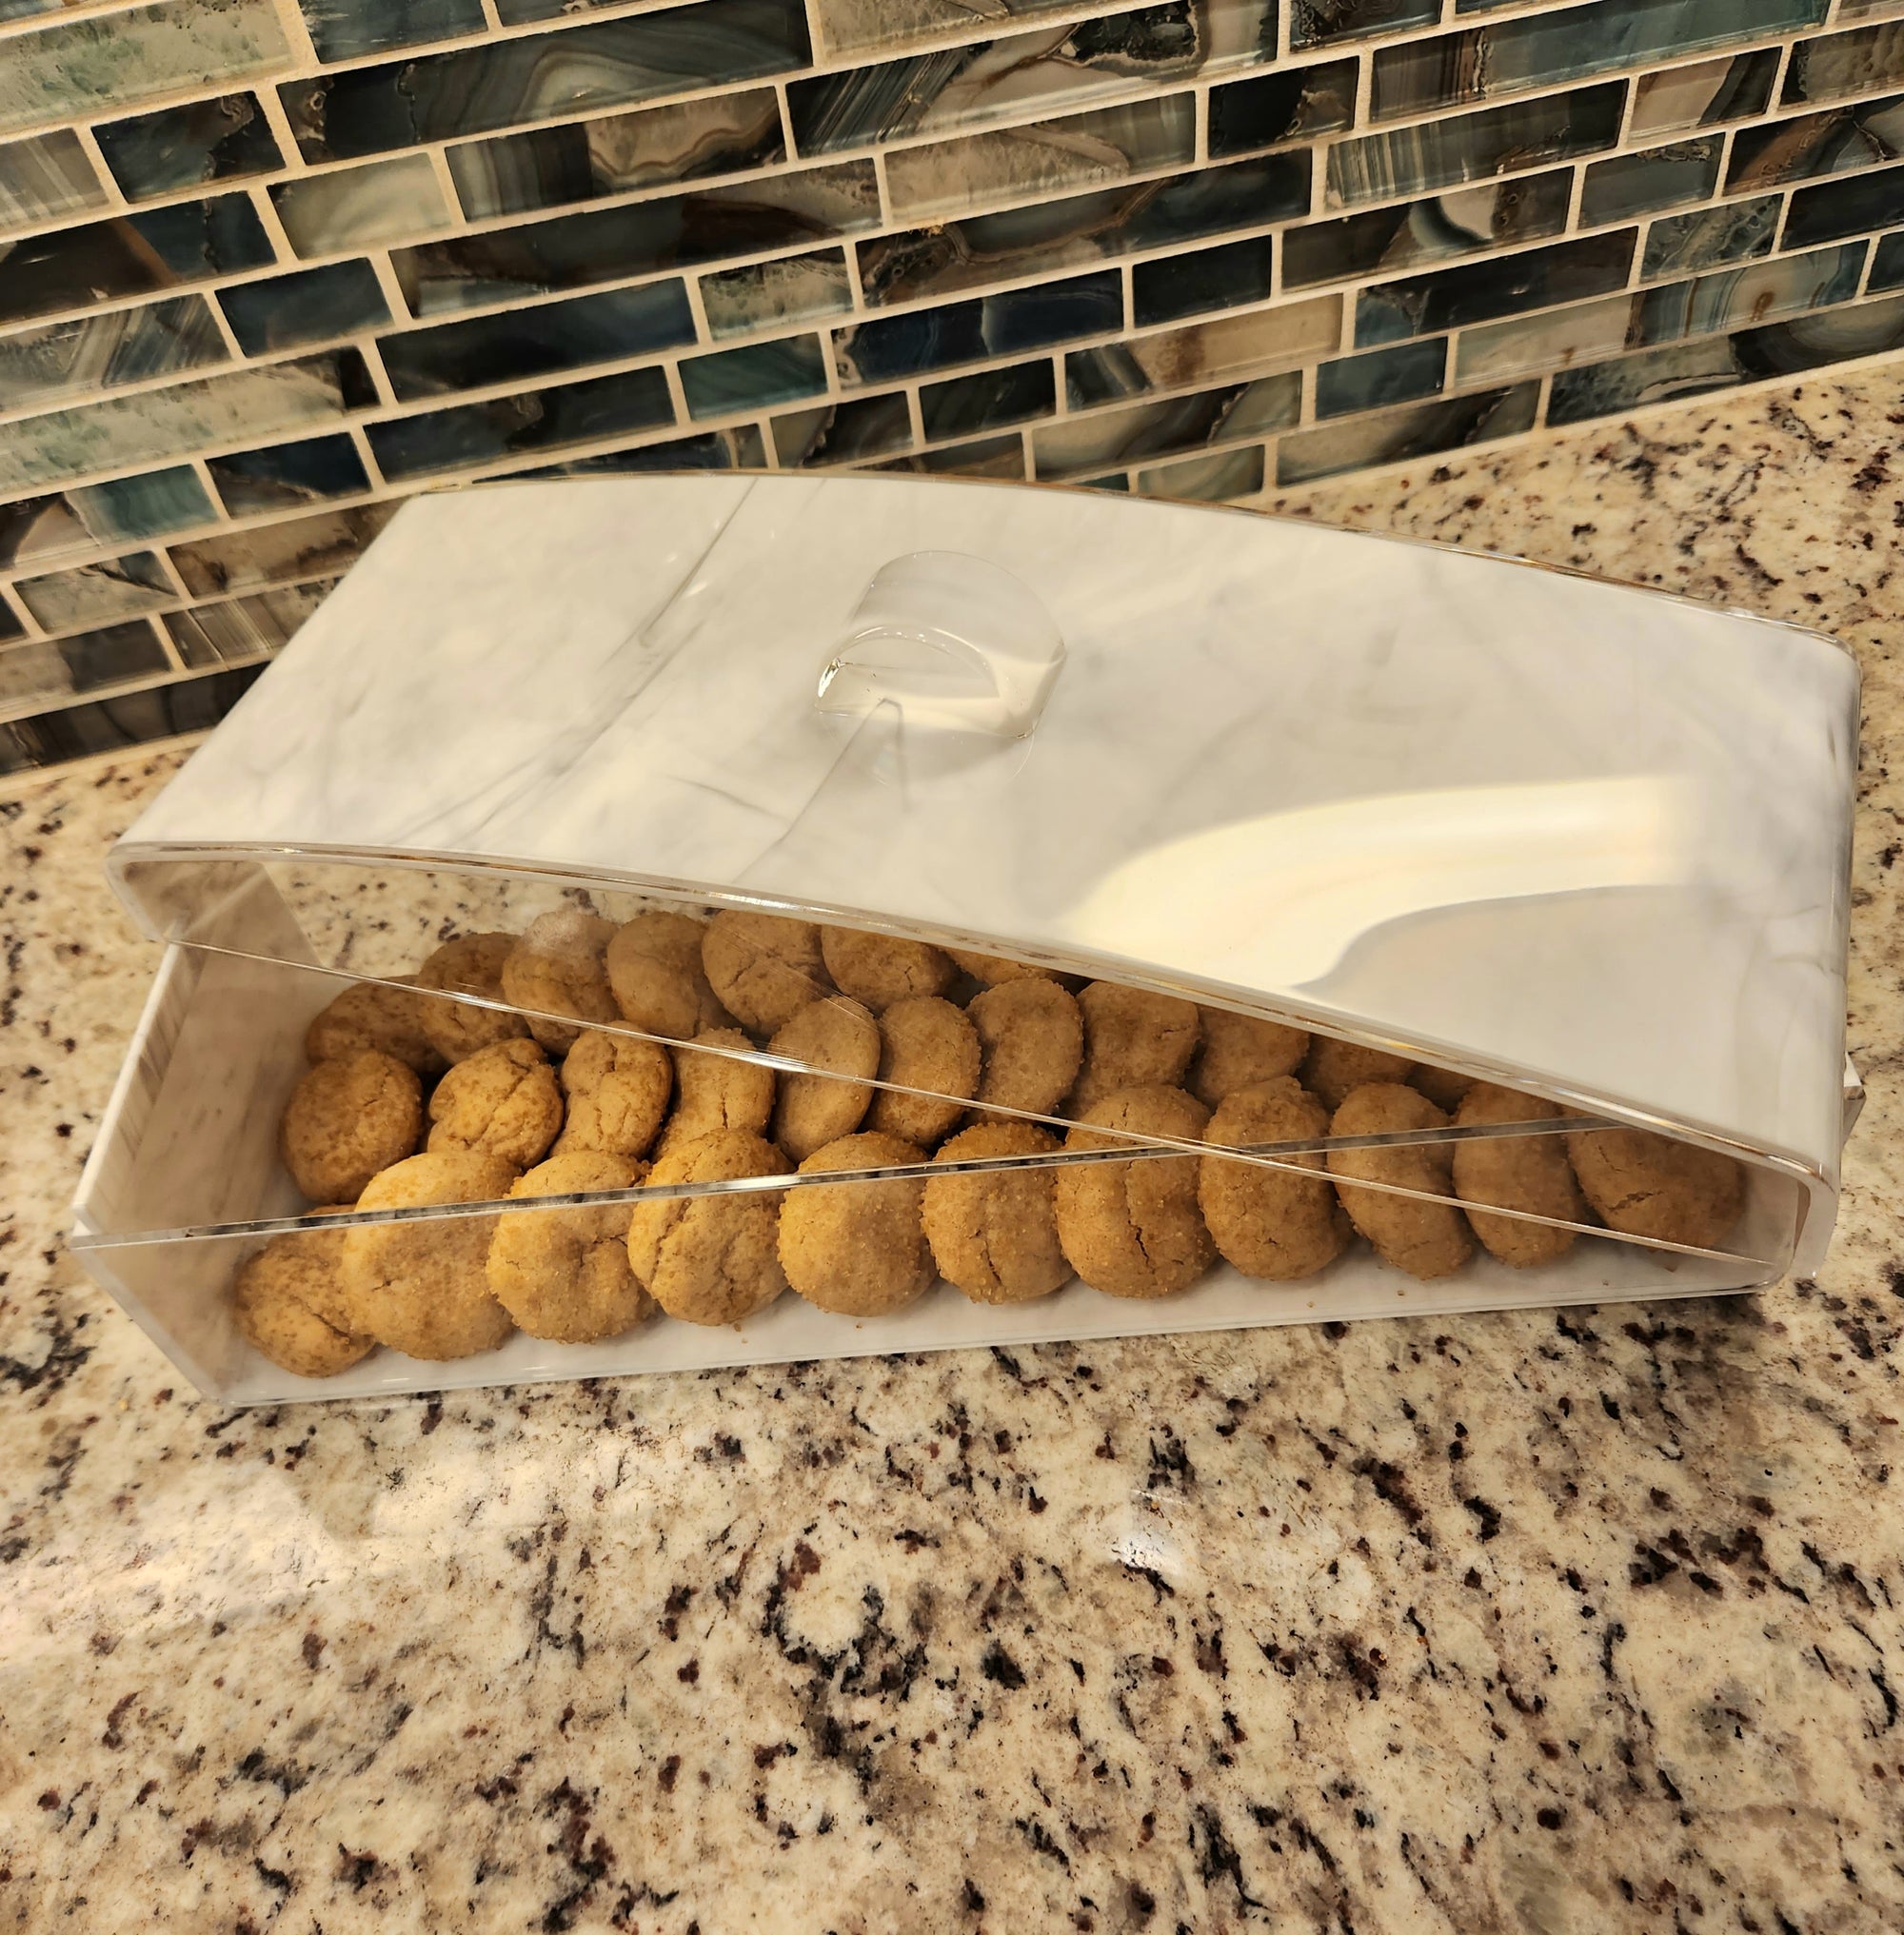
1577,836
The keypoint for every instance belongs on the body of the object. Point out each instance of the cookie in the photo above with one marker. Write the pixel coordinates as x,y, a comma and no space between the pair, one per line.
1031,1044
814,1110
615,1091
470,964
321,1283
715,1091
1332,1068
558,967
1515,1173
372,1014
1423,1238
763,968
1237,1051
1647,1185
424,1287
995,1236
880,969
994,970
1132,1040
1133,1228
347,1120
1442,1086
711,1259
924,1043
274,1305
1271,1224
564,1274
656,978
857,1249
503,1100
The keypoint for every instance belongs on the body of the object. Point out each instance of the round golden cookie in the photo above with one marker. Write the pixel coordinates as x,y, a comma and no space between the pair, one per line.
501,1099
1423,1238
716,1092
372,1014
615,1090
880,969
470,964
564,1274
711,1259
1031,1040
1647,1185
655,976
1332,1068
321,1283
1132,1040
424,1287
924,1043
763,968
1515,1173
1239,1051
1271,1224
1442,1086
857,1249
275,1305
557,967
995,1236
1133,1228
347,1120
994,970
813,1110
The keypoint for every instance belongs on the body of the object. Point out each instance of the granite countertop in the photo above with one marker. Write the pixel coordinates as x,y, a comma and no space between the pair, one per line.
1558,1622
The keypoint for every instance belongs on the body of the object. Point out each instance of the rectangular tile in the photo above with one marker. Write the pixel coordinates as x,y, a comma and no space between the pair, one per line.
312,306
1294,104
844,432
1396,436
1477,292
1707,94
1225,277
1839,65
1462,222
1549,50
224,139
738,447
1403,374
989,399
307,471
43,178
998,457
1251,343
57,361
761,295
1220,478
84,662
36,533
1556,339
132,255
323,546
519,343
241,629
95,594
1887,263
850,27
1171,426
1859,135
354,207
1629,185
1732,233
84,67
112,726
1847,208
11,625
350,29
1316,23
547,167
1735,298
606,244
889,346
543,76
761,376
1468,148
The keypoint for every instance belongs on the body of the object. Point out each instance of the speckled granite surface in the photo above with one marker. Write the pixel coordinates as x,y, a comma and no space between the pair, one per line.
1560,1623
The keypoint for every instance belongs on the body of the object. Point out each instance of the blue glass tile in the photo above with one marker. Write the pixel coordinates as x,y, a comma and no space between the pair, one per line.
1847,208
1435,230
1543,49
993,325
132,255
538,341
1731,298
985,456
1172,427
305,472
309,307
112,655
114,588
1469,148
113,725
846,432
762,295
1296,104
1219,478
1396,436
44,178
537,420
1731,233
1400,375
739,448
1836,142
1844,64
1633,185
754,377
1705,94
1887,263
988,399
1475,292
224,139
543,76
79,358
348,29
1314,23
144,507
1219,278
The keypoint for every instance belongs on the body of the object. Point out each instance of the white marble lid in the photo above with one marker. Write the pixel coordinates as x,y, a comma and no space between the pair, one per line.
1574,834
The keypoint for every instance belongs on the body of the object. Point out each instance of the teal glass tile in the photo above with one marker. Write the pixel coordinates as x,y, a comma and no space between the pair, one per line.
1703,94
1840,65
1469,148
1173,427
1887,263
353,208
115,588
236,630
1295,104
147,505
117,725
845,432
764,295
1219,478
350,29
307,471
543,76
1403,374
1630,184
1477,292
1551,48
1435,229
79,358
321,546
1733,232
45,178
223,139
755,377
312,306
1760,292
1859,135
1221,278
1397,435
889,346
988,399
1316,23
1846,208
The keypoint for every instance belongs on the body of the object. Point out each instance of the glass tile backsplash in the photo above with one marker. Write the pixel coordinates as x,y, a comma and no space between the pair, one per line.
268,265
